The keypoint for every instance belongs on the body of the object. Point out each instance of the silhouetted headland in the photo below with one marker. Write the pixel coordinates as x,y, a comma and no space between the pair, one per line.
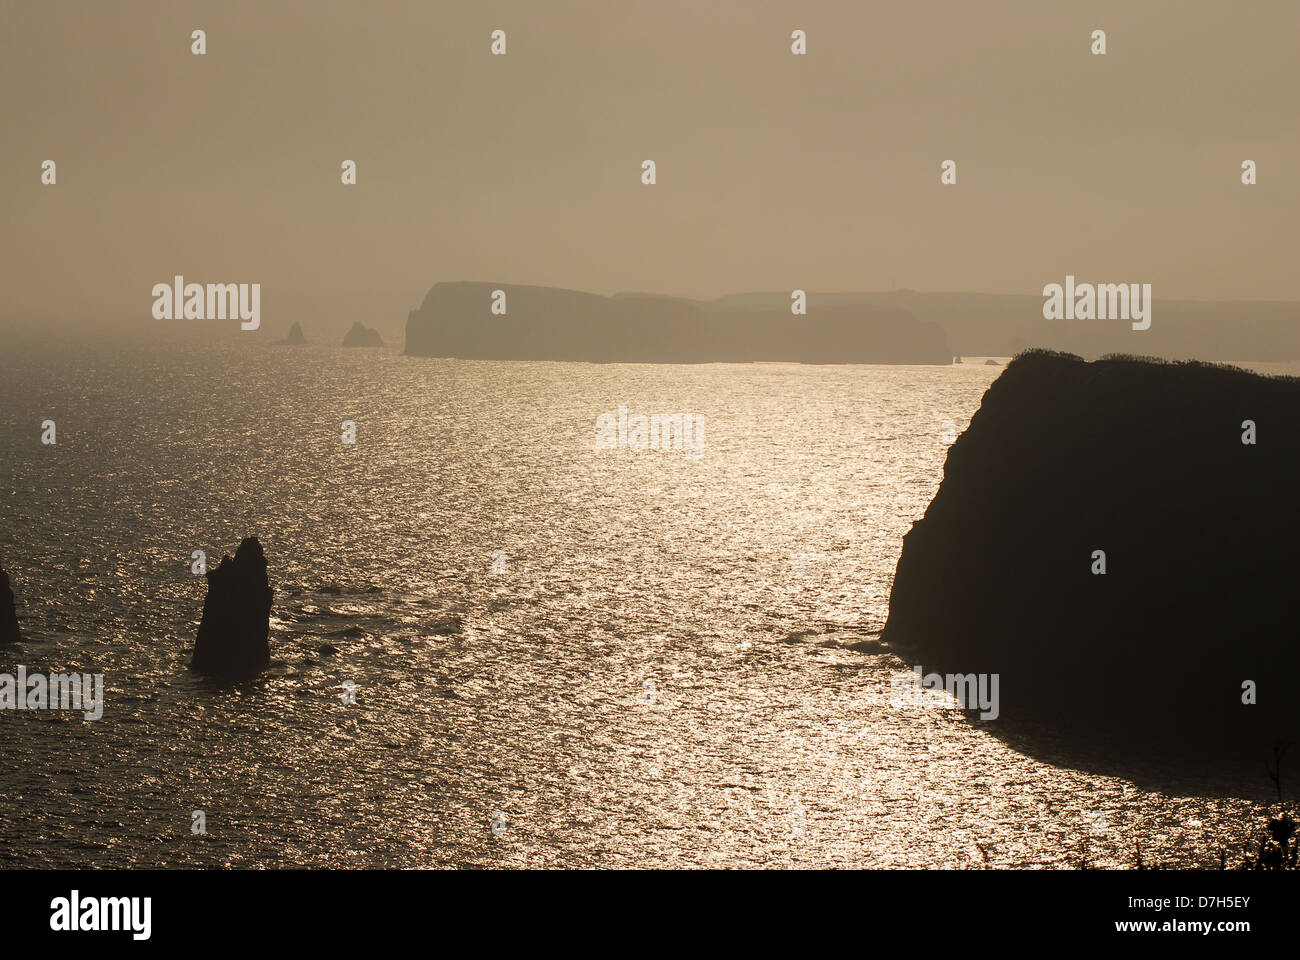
1195,610
232,641
8,615
295,337
545,323
362,336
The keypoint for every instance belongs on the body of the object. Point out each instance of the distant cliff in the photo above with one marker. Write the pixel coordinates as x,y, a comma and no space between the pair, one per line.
1196,609
1000,325
543,323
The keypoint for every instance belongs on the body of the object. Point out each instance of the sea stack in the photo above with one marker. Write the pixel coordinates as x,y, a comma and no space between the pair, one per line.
232,638
8,616
362,336
1117,541
295,337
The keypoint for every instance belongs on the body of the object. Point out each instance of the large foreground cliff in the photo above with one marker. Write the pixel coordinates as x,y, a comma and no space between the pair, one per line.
544,323
1138,469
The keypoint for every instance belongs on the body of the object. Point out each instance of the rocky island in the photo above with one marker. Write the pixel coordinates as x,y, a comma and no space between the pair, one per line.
546,323
362,336
232,641
8,615
295,337
1117,540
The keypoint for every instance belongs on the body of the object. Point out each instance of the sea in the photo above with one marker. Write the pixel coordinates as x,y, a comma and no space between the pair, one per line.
496,644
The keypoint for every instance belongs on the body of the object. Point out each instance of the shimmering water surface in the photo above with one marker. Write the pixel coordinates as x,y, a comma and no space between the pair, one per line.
662,676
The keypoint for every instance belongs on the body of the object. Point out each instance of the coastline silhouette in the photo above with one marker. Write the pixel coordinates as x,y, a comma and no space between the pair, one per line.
548,323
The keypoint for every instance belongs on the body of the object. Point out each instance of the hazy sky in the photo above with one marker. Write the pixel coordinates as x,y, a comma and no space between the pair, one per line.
774,171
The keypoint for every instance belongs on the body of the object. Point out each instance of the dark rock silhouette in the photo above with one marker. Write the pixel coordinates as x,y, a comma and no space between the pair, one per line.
362,336
232,638
991,363
544,323
8,616
295,337
1145,461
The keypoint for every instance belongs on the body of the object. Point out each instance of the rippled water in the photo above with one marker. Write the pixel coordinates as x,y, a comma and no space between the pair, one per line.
662,676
